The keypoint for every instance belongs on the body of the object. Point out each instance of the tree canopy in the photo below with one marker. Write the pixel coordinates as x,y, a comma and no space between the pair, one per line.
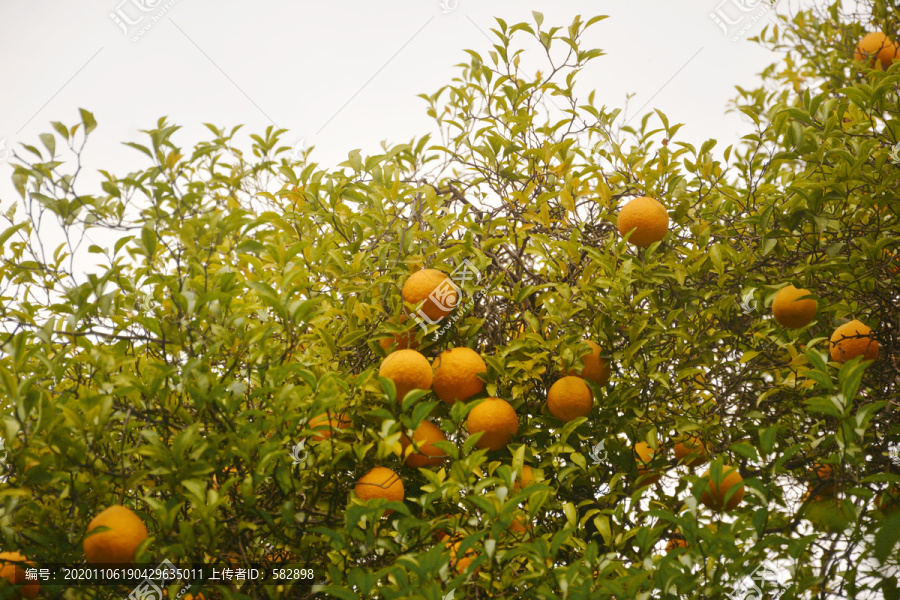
250,293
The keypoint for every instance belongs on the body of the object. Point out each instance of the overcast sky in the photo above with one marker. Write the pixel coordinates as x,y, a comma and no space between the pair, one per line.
340,75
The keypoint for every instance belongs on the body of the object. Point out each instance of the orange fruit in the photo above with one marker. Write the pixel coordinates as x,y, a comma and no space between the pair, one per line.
456,375
399,341
215,480
497,419
570,398
520,526
198,596
714,496
524,479
326,426
644,457
380,482
821,482
433,290
676,543
790,312
877,47
595,368
851,340
461,563
893,260
647,218
425,435
691,451
12,568
280,555
521,331
409,370
117,544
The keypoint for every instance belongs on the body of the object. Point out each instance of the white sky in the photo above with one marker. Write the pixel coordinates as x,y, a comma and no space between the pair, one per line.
342,75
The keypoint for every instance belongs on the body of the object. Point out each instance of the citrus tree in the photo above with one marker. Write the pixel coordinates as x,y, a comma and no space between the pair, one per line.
537,354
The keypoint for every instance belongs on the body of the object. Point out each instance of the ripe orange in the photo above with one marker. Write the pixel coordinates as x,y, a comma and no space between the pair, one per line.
280,555
215,481
647,218
521,526
456,375
821,482
427,455
851,340
399,341
118,544
461,563
691,451
524,479
521,331
409,370
893,260
570,398
644,457
380,482
12,568
595,368
790,312
717,489
877,47
676,543
326,427
199,596
497,419
433,288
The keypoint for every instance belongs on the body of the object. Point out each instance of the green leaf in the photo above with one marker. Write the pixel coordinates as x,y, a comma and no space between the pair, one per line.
716,255
88,119
49,142
143,149
850,376
148,238
745,450
887,537
10,231
816,360
767,438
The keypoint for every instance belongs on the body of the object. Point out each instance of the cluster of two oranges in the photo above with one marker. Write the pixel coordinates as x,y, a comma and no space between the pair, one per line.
793,309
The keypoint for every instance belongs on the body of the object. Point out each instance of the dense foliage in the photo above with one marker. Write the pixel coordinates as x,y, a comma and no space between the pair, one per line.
248,293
